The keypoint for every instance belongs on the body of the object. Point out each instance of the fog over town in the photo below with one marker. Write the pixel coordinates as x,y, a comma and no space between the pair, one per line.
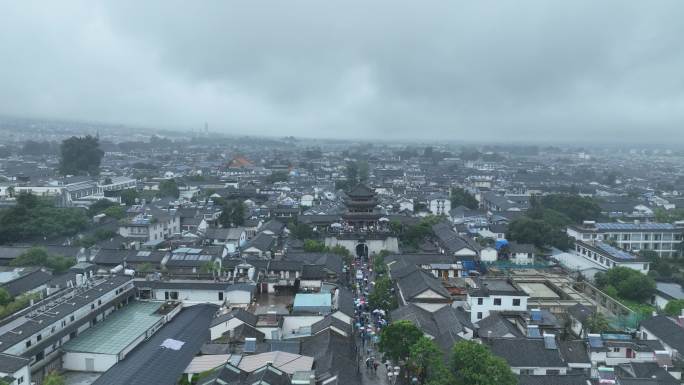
357,193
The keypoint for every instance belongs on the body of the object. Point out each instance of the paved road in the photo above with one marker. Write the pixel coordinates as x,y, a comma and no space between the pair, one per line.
370,377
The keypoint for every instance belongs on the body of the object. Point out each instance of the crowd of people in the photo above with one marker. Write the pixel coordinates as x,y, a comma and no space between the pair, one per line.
368,322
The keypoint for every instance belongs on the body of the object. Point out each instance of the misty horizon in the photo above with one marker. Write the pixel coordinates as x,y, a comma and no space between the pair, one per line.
541,73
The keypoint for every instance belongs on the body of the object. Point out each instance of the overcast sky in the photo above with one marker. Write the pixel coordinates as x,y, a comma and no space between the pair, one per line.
431,70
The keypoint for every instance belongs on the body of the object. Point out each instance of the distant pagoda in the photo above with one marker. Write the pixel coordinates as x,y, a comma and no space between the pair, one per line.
361,208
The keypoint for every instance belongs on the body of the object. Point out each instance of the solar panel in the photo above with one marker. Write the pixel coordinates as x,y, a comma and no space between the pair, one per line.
595,341
536,315
550,341
144,253
615,252
250,345
533,332
634,226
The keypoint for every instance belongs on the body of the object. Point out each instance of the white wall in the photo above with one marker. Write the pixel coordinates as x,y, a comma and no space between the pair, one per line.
218,330
23,375
488,305
77,361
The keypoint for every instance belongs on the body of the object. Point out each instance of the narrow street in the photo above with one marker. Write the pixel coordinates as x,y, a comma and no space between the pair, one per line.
368,347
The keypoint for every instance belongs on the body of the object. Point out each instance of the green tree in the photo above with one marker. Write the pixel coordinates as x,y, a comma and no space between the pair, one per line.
427,364
397,338
54,378
278,176
352,173
596,323
364,172
100,206
575,207
300,230
473,364
629,283
232,213
460,197
116,212
379,266
33,218
537,232
128,197
313,246
5,296
145,267
674,307
169,188
382,296
38,256
80,156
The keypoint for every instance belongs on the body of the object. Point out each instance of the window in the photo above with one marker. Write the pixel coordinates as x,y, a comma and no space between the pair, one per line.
28,344
92,306
479,315
20,380
528,372
497,301
220,295
99,302
71,319
39,337
480,301
552,372
516,301
166,295
616,350
40,356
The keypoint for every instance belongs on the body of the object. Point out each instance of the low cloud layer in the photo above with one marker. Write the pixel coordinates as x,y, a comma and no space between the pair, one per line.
454,70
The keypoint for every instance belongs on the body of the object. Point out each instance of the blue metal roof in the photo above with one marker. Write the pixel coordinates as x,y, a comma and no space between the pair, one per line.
310,300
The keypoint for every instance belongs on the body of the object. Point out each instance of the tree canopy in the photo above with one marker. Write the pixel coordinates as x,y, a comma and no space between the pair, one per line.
575,207
382,296
54,378
674,307
626,283
232,214
460,197
397,338
474,364
169,188
38,256
33,218
80,156
537,232
427,364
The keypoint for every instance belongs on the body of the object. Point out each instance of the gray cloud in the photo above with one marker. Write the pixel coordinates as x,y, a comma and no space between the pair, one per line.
498,70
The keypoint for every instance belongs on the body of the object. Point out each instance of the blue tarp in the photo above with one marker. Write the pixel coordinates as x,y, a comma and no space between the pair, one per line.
501,243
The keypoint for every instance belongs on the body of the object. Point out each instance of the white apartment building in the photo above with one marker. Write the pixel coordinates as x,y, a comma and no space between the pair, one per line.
663,238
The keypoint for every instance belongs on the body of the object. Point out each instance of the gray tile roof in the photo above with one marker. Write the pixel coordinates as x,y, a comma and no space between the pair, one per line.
34,278
524,352
667,330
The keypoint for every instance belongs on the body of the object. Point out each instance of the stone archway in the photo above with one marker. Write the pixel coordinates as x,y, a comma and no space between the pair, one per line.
362,251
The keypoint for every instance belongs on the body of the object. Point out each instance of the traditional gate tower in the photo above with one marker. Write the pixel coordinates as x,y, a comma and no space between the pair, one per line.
363,233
